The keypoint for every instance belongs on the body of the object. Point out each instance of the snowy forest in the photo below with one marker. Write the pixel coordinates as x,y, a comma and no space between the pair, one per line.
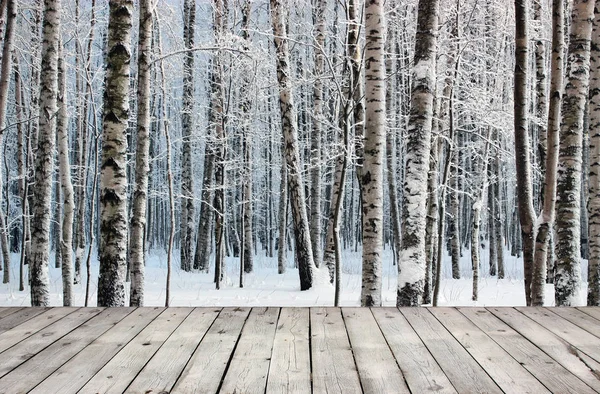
406,144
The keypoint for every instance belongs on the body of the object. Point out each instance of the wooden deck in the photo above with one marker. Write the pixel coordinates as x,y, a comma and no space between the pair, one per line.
299,350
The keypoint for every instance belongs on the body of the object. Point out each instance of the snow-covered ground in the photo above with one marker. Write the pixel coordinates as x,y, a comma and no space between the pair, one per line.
266,288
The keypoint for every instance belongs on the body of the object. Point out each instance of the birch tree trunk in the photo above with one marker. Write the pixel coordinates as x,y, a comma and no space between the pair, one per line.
283,211
113,178
304,253
137,256
248,249
593,296
353,55
66,238
5,72
44,160
374,151
187,187
411,278
316,135
546,219
522,156
568,203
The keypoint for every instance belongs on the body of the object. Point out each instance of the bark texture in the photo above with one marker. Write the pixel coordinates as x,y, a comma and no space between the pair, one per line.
374,154
187,185
66,185
137,256
546,220
304,255
44,159
593,296
522,156
568,202
113,177
411,278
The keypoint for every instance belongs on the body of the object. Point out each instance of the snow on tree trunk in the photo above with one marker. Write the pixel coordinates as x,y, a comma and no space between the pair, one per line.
412,256
5,72
546,221
522,156
142,167
316,134
593,296
66,236
541,110
304,255
374,154
113,177
187,184
44,160
568,202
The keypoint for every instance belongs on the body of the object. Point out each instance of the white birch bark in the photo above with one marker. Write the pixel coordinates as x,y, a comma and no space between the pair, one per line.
316,135
411,278
247,246
187,184
142,167
593,296
304,253
374,154
113,177
568,202
44,160
522,156
546,219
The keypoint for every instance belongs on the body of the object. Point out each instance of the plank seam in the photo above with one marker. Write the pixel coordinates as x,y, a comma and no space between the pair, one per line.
352,351
195,349
272,346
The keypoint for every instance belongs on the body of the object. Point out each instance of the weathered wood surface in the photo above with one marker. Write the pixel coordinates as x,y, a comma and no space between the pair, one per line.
299,350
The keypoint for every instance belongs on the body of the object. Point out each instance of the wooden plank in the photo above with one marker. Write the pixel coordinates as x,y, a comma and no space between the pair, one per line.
554,376
29,374
120,371
576,336
249,367
5,311
21,316
421,371
505,370
75,373
289,371
557,348
31,326
333,367
579,318
161,372
204,371
593,311
28,348
464,372
377,367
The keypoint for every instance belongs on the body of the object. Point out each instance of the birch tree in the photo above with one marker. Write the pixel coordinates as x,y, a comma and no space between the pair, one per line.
187,188
113,178
411,278
5,72
66,236
317,131
593,296
247,247
568,262
550,149
304,254
522,156
374,154
44,159
138,214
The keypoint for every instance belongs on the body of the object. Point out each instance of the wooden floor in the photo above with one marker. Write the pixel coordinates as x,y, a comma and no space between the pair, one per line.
300,350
